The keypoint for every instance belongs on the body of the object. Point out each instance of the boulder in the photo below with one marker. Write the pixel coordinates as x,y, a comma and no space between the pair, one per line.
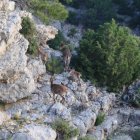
110,124
84,121
61,111
16,86
106,101
34,132
45,33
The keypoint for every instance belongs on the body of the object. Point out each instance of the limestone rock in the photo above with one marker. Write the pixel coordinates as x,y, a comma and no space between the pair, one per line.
17,87
45,33
36,133
11,6
16,81
3,117
37,67
110,124
61,111
106,101
84,121
92,92
25,14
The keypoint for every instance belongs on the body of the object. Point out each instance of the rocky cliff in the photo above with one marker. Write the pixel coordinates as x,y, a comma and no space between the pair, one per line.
23,76
16,81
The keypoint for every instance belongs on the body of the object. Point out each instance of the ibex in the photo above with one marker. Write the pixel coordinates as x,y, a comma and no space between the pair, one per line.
44,55
58,89
74,75
66,56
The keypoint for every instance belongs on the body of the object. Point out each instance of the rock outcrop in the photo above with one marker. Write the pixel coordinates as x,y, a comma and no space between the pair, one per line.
16,81
35,133
20,76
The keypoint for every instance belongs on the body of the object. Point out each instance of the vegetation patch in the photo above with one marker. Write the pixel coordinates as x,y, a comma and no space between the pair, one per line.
54,65
64,130
100,119
110,56
48,10
29,32
56,42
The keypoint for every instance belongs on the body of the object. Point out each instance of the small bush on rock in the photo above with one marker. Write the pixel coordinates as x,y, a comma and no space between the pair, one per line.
54,65
29,32
64,130
56,42
100,119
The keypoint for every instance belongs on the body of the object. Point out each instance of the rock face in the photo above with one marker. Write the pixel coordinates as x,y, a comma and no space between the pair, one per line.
29,119
36,133
3,117
45,33
16,80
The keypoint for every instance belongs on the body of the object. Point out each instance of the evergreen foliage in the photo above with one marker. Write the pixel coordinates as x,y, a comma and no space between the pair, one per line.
29,32
48,10
100,119
96,12
56,42
111,56
54,66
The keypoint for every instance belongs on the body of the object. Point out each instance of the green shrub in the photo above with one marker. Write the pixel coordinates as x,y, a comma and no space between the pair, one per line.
29,32
87,138
48,10
100,119
54,65
110,56
56,42
28,27
64,130
32,48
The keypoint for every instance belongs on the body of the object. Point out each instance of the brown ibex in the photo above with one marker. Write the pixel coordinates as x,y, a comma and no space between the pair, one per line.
58,89
44,55
66,56
74,75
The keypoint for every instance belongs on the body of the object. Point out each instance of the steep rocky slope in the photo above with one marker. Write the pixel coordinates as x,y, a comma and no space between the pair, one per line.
23,76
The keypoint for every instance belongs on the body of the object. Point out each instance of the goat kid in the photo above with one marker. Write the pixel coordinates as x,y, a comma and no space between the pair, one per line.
58,89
